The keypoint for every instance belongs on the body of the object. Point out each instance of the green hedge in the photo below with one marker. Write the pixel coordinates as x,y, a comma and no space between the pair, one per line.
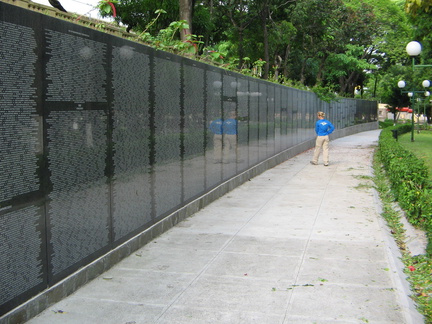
409,180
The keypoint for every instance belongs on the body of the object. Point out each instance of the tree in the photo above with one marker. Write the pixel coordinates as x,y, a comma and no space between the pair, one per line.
281,39
266,10
185,14
416,6
389,91
241,16
137,14
420,13
323,40
333,44
313,34
348,67
387,42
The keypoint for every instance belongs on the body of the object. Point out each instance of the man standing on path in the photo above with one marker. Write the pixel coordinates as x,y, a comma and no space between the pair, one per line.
323,129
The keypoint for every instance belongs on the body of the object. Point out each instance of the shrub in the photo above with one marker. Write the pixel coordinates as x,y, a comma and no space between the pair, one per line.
385,124
409,180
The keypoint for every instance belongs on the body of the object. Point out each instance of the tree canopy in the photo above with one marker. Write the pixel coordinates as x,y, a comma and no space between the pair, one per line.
341,45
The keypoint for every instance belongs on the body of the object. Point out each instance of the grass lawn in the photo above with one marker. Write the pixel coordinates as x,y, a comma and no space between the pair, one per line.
421,147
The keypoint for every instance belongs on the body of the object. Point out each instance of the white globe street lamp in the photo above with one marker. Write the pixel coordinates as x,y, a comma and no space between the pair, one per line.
413,48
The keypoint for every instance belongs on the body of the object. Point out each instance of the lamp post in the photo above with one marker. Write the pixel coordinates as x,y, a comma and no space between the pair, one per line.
427,94
414,49
411,93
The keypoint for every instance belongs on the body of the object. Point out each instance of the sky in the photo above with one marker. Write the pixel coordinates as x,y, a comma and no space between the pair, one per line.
81,7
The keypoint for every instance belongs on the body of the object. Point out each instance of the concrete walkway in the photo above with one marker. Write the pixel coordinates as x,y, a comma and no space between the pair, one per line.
297,244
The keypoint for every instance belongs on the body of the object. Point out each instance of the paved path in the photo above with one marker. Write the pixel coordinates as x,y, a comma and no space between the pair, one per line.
297,244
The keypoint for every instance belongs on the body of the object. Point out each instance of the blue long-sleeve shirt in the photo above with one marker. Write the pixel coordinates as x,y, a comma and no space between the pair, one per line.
216,126
323,127
230,126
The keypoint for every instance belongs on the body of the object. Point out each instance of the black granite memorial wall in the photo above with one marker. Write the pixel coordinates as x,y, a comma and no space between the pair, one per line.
101,137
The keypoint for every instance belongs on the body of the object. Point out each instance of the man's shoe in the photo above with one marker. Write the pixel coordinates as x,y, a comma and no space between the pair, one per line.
326,164
313,163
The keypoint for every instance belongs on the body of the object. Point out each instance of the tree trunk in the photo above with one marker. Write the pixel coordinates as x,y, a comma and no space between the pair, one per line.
320,74
347,85
286,61
264,15
240,46
302,73
186,14
278,66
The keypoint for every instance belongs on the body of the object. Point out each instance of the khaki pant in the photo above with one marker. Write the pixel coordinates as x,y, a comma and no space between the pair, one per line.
217,147
321,142
230,148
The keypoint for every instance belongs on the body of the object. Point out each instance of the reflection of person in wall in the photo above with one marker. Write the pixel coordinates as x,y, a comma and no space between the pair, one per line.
216,128
230,128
